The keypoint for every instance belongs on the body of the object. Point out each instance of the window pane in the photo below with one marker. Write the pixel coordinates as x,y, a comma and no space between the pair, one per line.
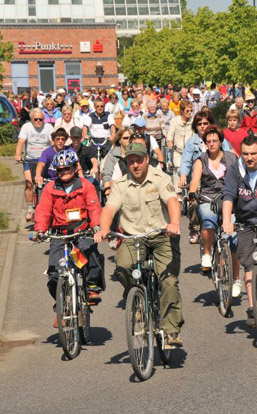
165,10
32,11
142,23
121,24
72,68
120,11
131,2
76,1
132,11
174,10
119,1
157,24
153,2
163,1
155,10
53,1
133,24
142,2
9,1
42,20
31,1
109,11
143,10
108,1
46,80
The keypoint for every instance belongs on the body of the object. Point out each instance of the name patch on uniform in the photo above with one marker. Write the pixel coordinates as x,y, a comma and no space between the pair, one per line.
152,190
73,214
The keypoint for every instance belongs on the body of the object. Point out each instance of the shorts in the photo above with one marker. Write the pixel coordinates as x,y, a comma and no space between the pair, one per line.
246,248
209,220
28,164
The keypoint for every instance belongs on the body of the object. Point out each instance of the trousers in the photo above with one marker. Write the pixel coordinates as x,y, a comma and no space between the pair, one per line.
166,256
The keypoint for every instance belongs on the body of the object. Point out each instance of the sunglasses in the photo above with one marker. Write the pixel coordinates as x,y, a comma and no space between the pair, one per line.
188,110
126,137
64,170
99,106
60,139
134,136
38,119
250,101
202,123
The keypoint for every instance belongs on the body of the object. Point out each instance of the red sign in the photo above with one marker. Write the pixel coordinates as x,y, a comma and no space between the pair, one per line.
98,47
72,84
39,48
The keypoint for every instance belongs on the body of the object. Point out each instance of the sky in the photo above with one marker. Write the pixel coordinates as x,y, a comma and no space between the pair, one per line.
215,5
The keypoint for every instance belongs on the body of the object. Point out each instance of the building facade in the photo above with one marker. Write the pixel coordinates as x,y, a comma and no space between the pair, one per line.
51,56
129,16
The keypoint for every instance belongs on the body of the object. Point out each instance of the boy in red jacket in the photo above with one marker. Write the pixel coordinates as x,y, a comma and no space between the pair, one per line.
69,204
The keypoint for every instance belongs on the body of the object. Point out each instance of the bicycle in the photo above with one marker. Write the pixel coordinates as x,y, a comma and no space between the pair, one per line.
222,269
72,300
143,319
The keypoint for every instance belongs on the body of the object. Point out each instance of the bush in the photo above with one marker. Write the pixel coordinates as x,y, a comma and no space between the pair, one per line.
7,150
3,220
8,134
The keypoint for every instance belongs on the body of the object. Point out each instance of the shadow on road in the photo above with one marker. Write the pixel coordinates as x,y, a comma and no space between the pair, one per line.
98,336
240,327
52,339
122,358
208,298
193,269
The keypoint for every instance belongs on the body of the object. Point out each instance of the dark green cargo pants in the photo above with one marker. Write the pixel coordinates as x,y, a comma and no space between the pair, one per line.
166,253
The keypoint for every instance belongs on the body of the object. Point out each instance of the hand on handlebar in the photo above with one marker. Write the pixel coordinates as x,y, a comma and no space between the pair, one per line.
18,158
173,229
39,181
101,235
228,227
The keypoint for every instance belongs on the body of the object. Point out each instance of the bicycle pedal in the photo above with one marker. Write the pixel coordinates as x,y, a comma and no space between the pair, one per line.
167,347
206,269
92,303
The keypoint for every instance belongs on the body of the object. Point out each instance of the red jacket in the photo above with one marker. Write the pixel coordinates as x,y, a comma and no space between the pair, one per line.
250,122
54,202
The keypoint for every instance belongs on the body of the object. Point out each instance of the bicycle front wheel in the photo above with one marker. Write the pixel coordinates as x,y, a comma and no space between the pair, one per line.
84,318
67,321
225,279
139,334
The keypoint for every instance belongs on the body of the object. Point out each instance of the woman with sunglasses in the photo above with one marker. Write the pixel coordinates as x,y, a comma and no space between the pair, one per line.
125,100
121,140
51,112
179,133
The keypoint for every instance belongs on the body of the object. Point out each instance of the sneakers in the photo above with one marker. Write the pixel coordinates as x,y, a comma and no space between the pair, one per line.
93,298
174,339
206,261
250,318
236,288
29,216
193,237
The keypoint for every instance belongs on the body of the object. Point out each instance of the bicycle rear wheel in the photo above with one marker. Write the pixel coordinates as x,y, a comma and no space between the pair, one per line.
139,334
254,293
225,276
84,318
67,323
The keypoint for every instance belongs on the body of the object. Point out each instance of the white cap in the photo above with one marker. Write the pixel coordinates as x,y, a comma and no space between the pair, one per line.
196,91
41,93
61,90
113,86
85,94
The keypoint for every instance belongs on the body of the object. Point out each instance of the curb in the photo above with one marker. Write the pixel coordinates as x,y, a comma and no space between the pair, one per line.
10,183
6,277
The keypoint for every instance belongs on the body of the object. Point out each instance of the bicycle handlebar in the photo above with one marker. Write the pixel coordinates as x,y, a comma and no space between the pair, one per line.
98,144
136,236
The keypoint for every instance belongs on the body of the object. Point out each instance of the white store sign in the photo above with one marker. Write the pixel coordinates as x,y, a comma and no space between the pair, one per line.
85,47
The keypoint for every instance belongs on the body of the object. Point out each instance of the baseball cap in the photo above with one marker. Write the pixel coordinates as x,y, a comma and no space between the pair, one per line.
61,90
84,102
136,149
196,91
140,122
113,85
75,132
56,130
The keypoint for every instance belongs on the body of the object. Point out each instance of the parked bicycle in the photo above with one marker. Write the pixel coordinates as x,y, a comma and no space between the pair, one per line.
143,320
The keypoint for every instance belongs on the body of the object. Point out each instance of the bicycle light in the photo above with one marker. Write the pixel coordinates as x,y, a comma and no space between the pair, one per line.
136,274
255,256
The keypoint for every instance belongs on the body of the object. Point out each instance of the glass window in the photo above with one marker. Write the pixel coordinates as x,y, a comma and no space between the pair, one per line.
42,20
109,11
46,76
9,2
72,68
142,23
121,24
77,20
143,10
157,24
153,2
76,1
173,1
133,24
165,23
165,10
65,20
131,2
53,1
155,10
174,10
163,1
31,1
142,1
132,11
120,11
119,1
32,11
10,20
108,1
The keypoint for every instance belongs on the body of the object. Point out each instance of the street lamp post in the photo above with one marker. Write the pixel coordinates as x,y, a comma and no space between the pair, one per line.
99,71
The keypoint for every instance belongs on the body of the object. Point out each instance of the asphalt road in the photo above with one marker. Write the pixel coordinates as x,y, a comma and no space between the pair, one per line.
215,372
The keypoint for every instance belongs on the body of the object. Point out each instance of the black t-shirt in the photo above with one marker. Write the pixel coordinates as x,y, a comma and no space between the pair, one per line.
85,154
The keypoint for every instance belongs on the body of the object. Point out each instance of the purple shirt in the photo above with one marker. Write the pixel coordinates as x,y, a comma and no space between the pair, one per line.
47,157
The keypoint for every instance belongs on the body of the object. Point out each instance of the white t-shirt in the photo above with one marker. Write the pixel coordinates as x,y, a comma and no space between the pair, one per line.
113,108
37,139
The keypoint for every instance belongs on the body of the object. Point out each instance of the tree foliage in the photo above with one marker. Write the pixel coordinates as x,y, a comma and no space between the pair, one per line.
209,46
6,53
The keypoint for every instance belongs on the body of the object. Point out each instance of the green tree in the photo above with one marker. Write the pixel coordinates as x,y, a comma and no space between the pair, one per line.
209,46
6,53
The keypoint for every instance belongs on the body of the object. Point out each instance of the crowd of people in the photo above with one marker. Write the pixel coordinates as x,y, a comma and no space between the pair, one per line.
139,130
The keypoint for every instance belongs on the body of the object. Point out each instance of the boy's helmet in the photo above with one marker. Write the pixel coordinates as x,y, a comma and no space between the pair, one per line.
65,158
